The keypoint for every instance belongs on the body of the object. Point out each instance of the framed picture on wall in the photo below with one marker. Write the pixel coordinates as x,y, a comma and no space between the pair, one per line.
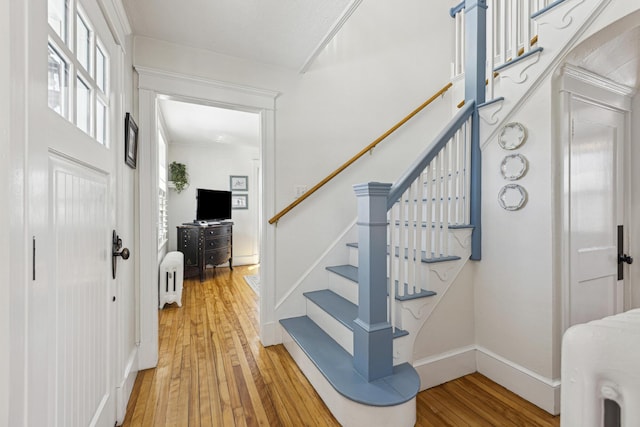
239,201
239,183
130,141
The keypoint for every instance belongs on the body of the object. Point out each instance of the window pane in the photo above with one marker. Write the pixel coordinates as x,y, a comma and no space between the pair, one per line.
58,17
101,63
82,105
58,83
82,42
101,122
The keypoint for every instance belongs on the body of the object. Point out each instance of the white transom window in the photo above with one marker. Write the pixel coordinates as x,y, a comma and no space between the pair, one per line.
78,70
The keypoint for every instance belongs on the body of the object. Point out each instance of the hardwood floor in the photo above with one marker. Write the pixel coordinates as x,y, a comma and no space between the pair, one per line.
213,371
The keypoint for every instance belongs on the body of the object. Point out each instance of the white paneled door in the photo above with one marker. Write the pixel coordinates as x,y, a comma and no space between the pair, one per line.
75,141
596,209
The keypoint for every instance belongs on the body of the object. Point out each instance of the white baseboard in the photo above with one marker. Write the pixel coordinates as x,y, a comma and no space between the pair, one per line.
535,388
439,369
124,389
244,260
270,334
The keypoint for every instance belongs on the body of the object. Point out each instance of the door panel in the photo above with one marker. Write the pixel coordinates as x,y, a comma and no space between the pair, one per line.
82,294
596,209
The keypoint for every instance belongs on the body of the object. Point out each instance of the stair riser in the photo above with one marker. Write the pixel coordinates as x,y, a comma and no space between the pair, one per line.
344,287
344,336
336,330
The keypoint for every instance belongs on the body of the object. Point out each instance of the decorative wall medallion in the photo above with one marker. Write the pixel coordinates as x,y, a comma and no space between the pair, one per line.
512,136
512,197
514,167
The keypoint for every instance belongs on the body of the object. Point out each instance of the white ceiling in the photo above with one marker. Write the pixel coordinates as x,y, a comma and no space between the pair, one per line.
617,59
187,123
285,33
279,32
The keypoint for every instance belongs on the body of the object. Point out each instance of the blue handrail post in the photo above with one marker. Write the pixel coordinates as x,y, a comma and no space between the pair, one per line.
474,89
372,332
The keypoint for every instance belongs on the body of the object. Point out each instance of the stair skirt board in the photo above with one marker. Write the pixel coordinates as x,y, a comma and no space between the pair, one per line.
349,413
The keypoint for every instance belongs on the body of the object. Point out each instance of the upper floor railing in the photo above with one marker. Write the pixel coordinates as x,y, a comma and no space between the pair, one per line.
510,33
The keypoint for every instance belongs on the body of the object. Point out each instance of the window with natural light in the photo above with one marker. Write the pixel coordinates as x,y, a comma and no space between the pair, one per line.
162,190
78,70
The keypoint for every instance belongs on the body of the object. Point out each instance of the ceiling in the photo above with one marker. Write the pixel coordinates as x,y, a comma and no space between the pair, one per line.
202,124
284,33
617,59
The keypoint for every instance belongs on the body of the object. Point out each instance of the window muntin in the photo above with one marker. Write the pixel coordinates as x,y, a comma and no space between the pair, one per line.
77,53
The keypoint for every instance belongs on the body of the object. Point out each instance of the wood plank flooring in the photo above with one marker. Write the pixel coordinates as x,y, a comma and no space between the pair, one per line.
213,371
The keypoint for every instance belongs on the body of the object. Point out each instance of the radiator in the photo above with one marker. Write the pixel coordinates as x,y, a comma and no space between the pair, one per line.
601,373
171,277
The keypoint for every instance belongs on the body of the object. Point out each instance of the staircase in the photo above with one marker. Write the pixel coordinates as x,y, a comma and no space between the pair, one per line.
355,342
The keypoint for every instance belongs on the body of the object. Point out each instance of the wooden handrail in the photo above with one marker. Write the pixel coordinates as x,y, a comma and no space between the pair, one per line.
361,153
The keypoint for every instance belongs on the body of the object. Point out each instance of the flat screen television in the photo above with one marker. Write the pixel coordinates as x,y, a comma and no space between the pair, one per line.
213,205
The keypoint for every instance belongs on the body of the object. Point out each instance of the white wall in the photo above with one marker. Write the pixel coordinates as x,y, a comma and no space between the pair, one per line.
209,166
5,167
514,285
383,63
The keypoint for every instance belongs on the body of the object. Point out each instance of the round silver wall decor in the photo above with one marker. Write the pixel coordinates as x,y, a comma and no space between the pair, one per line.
512,197
514,166
512,135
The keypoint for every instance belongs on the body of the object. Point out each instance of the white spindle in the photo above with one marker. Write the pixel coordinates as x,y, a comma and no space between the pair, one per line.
459,171
438,205
459,45
391,289
526,26
491,40
419,234
501,29
401,244
411,230
446,197
467,170
429,211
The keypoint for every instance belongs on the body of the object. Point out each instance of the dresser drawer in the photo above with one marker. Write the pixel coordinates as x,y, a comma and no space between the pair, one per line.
217,231
217,242
217,256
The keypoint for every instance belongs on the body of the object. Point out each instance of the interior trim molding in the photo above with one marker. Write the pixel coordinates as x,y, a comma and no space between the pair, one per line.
171,83
342,19
117,19
585,76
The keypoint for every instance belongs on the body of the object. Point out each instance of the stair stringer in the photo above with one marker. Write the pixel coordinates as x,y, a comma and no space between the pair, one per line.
411,315
558,30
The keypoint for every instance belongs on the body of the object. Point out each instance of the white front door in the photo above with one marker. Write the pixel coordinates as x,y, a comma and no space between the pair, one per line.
75,127
596,209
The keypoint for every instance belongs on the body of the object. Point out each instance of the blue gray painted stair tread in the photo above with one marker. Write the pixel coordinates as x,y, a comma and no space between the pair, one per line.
424,224
518,59
337,367
341,309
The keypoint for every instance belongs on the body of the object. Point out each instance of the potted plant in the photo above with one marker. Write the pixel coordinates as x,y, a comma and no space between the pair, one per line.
178,175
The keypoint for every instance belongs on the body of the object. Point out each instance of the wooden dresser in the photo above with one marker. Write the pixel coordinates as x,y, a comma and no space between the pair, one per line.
205,245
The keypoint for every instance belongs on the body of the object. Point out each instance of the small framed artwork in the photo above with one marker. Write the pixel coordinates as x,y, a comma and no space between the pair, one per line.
239,182
130,141
239,201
